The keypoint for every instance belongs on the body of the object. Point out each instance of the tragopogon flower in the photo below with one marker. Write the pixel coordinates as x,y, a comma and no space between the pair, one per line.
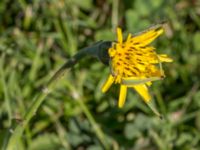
135,64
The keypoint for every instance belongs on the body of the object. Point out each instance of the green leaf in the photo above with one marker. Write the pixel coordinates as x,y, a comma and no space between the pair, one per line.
105,34
95,147
45,142
145,8
131,131
196,40
134,23
86,4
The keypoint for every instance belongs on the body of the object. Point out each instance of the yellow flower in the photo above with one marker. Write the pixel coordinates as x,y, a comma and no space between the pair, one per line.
135,64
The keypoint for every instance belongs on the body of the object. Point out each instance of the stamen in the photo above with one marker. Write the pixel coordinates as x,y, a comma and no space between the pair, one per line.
138,54
137,43
141,63
127,58
127,68
142,47
133,73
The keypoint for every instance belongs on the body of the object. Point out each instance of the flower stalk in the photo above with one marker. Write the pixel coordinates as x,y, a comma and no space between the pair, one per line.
98,50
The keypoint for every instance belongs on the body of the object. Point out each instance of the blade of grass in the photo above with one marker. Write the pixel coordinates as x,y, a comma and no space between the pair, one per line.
115,6
62,133
5,89
36,62
18,131
94,124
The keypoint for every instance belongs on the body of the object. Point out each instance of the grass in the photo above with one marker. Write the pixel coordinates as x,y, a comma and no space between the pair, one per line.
38,37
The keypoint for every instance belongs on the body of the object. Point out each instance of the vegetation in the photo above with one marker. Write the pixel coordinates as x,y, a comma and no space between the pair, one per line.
38,37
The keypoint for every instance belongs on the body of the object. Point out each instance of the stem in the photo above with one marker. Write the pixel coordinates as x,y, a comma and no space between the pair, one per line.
115,7
94,124
18,131
5,89
94,50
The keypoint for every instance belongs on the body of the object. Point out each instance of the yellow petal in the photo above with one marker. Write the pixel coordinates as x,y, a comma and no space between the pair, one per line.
164,58
149,83
129,37
107,84
148,36
119,35
143,91
122,96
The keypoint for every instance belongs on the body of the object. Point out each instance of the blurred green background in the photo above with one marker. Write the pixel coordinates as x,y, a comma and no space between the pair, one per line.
38,36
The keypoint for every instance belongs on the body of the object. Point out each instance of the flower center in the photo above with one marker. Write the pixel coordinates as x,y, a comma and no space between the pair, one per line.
132,61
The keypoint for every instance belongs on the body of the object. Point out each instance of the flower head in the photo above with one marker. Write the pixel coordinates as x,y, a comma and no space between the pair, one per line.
135,64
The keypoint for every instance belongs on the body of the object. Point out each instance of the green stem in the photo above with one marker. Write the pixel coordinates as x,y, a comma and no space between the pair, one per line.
96,51
115,7
94,124
5,89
